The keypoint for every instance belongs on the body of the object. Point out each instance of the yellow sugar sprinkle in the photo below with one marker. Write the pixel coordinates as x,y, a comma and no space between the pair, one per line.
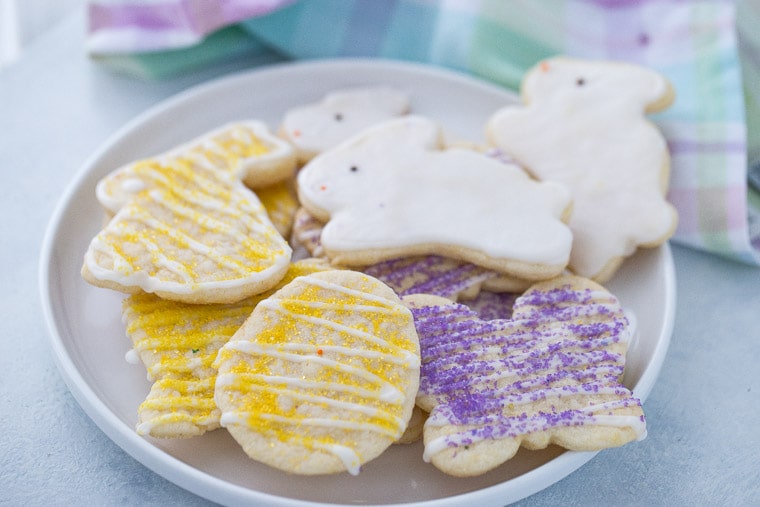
349,348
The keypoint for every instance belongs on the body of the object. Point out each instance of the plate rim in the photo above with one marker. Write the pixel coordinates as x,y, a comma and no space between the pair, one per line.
213,488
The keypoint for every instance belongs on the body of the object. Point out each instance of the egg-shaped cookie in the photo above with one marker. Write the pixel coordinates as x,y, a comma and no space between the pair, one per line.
323,376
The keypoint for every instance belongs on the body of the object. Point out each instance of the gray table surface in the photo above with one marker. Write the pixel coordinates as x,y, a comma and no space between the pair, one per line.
57,107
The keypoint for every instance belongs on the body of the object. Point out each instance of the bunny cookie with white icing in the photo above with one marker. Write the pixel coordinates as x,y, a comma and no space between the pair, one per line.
313,128
584,125
393,191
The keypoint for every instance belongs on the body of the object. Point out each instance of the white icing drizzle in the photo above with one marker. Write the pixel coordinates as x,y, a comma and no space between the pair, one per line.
348,456
132,357
409,358
247,226
333,403
145,428
373,399
344,368
387,393
132,185
633,422
324,422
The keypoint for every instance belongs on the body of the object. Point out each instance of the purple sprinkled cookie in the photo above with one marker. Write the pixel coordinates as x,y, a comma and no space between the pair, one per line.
431,274
550,374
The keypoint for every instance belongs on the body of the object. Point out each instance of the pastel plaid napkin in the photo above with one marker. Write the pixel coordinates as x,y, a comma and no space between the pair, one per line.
709,49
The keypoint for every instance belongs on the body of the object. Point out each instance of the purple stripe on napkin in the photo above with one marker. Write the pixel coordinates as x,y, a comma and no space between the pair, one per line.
681,146
197,16
152,17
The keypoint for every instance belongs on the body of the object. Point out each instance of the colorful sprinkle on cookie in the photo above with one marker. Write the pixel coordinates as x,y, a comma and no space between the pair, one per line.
192,233
322,377
178,344
550,374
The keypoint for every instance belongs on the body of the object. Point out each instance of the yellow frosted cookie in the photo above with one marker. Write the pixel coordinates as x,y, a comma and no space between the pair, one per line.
178,344
189,232
549,374
322,377
281,204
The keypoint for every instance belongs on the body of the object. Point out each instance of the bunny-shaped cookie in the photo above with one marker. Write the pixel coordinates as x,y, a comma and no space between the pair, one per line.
583,124
549,374
186,227
314,128
392,191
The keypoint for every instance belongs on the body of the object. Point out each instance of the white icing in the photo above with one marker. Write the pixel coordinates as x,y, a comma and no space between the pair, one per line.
592,136
350,459
633,422
326,401
407,358
132,185
144,428
357,371
131,357
407,192
325,422
294,352
387,393
314,128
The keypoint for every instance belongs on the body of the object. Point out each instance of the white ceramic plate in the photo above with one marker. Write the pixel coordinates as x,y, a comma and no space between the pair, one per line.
88,337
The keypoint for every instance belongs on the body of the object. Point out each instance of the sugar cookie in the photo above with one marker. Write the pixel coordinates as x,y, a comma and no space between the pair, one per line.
189,232
314,128
178,344
428,274
431,274
392,192
550,374
322,377
584,125
280,202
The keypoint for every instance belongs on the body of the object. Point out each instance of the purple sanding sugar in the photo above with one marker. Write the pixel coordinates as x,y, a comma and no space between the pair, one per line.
431,274
556,347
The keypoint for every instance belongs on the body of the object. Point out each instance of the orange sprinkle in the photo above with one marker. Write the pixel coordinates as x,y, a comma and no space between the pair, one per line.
296,133
320,352
545,66
323,187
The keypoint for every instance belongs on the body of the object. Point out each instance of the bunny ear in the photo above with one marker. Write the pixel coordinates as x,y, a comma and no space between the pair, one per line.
389,100
655,90
545,78
411,130
557,76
